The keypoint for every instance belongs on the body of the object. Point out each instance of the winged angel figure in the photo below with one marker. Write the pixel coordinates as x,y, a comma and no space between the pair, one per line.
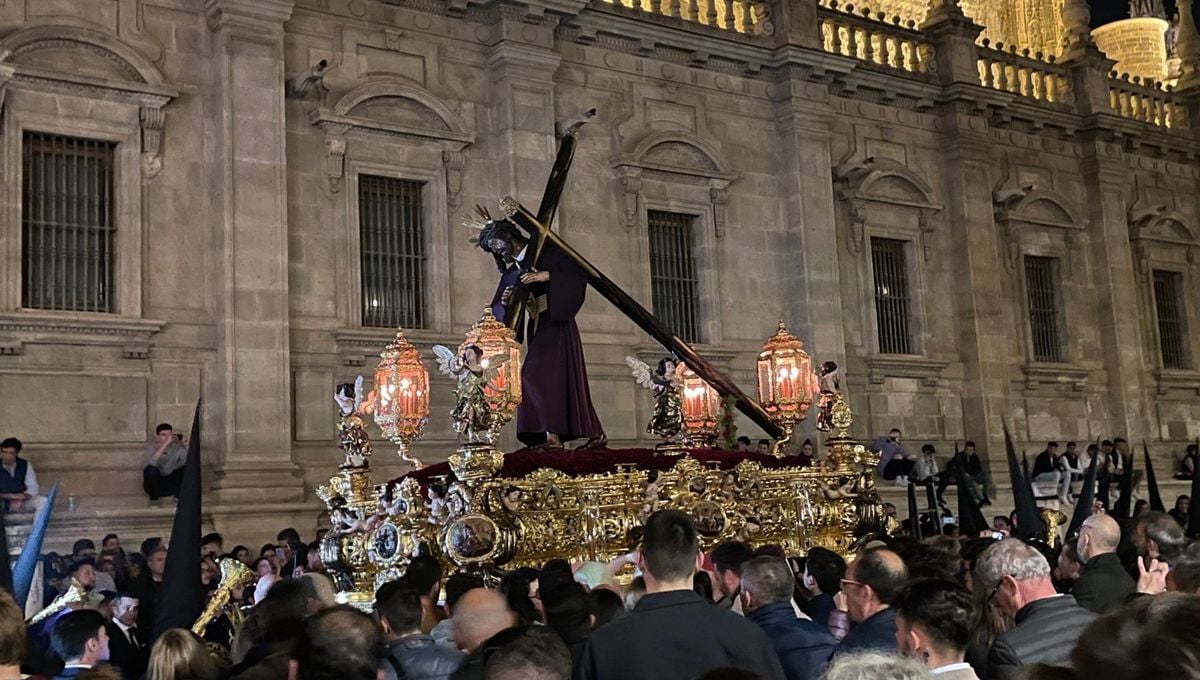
474,373
666,384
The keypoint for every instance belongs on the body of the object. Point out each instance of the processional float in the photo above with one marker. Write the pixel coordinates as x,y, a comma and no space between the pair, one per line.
484,511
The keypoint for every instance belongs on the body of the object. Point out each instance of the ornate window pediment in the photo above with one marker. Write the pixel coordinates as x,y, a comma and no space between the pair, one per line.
882,181
85,62
678,157
394,108
1025,205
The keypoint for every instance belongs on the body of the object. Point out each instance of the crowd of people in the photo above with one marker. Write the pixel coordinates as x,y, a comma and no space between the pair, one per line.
1118,596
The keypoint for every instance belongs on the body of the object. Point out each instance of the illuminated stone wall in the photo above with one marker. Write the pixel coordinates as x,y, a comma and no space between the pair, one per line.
1137,45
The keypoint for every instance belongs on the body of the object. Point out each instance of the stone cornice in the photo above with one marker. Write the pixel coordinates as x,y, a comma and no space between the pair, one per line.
256,14
132,335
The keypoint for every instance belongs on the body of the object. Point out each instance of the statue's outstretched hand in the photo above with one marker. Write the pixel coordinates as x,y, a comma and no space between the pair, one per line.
535,276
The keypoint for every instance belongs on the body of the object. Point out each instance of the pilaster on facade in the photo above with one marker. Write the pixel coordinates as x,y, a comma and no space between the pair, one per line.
524,112
257,15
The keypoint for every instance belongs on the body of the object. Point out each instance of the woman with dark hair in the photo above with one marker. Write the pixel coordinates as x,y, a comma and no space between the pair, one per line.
607,606
702,584
515,587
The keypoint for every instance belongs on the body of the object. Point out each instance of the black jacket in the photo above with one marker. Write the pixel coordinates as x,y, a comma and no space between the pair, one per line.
818,608
877,632
421,659
1045,632
129,659
676,634
1103,584
803,647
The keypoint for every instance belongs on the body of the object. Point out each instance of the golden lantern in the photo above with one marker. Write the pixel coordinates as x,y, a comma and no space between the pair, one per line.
402,396
701,408
498,348
786,382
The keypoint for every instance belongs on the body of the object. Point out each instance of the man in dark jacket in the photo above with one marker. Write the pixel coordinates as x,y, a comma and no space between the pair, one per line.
803,647
673,632
1103,583
1047,624
411,654
80,640
872,581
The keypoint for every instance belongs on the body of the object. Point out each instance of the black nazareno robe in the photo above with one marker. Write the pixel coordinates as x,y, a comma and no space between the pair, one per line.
554,384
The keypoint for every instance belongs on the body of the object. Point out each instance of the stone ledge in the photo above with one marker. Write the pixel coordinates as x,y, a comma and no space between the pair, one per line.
132,335
1169,379
1055,374
879,368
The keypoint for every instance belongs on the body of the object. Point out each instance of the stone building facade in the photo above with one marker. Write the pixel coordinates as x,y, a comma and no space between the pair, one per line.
976,234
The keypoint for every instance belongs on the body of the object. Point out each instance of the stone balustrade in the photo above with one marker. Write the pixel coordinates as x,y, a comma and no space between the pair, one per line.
1149,101
739,16
874,38
1034,76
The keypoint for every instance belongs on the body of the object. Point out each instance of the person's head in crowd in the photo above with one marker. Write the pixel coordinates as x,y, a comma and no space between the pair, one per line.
743,444
1071,448
871,583
318,590
149,545
156,562
136,563
314,558
934,621
263,566
84,571
1099,535
79,638
12,637
109,562
1149,637
241,553
670,552
320,535
9,450
1156,535
534,654
1142,505
1183,504
398,608
728,558
210,573
179,655
110,542
702,583
1069,564
516,587
105,604
1000,523
823,571
289,536
925,560
568,612
1184,576
1106,446
83,548
458,585
212,544
425,574
125,609
874,666
480,614
340,643
278,616
607,606
763,447
765,581
1015,574
268,551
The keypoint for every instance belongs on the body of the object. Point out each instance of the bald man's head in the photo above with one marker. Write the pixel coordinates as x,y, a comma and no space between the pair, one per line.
480,614
1099,534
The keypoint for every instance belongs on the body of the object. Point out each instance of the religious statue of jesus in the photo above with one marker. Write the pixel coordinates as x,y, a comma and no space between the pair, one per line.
556,404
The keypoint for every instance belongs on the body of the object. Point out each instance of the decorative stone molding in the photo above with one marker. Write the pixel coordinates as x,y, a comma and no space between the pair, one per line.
1037,375
267,15
675,157
1169,380
361,346
1017,206
862,182
422,118
131,335
454,161
134,80
882,367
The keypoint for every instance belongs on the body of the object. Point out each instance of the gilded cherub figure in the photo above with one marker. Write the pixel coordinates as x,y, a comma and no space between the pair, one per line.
352,427
474,372
664,382
830,383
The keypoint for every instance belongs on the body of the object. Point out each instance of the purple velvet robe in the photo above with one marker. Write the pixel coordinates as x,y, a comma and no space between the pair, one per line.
554,383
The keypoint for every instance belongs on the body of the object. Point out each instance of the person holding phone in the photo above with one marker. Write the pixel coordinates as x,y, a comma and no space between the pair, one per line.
165,457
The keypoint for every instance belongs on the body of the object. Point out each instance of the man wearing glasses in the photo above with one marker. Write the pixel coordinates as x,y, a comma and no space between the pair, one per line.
872,582
1046,624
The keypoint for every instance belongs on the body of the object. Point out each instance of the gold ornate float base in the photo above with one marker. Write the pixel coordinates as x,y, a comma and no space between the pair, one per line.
475,516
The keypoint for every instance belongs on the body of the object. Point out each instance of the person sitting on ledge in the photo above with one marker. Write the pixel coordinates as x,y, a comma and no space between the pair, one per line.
165,458
18,481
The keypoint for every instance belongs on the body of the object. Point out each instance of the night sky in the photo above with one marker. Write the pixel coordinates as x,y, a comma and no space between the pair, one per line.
1104,11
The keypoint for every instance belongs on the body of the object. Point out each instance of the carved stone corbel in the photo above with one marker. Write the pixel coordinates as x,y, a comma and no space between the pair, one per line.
858,226
454,162
152,122
926,230
720,199
631,183
335,157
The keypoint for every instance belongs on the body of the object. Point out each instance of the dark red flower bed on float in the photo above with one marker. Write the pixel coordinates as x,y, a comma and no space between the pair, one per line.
599,461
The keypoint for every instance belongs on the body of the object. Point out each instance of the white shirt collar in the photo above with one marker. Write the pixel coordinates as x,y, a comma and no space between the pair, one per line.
123,627
950,667
520,257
